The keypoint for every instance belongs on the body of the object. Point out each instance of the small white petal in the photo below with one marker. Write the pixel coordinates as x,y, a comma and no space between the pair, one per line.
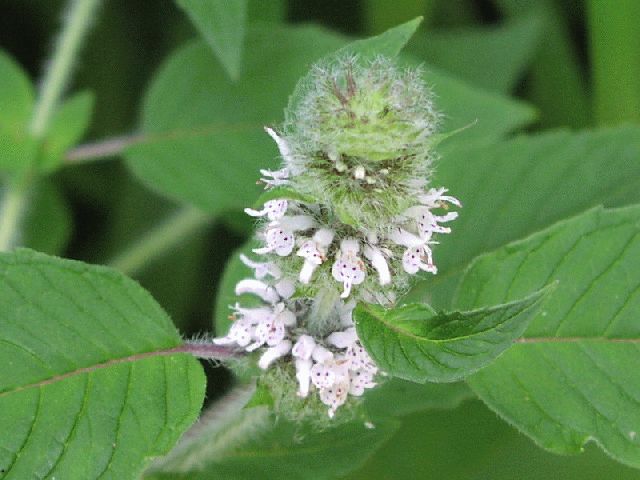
273,353
303,375
321,354
285,288
350,245
343,339
323,237
359,173
256,287
405,239
308,267
322,375
297,222
304,347
288,318
262,269
280,142
379,263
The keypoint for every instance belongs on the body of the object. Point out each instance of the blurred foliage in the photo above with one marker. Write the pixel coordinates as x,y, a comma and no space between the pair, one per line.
495,58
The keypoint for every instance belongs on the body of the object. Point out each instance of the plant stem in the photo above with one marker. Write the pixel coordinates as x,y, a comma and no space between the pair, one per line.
103,149
15,198
159,240
12,208
614,30
77,22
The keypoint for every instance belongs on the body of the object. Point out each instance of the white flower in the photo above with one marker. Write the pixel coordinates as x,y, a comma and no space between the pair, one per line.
348,267
279,240
313,252
335,396
271,329
273,209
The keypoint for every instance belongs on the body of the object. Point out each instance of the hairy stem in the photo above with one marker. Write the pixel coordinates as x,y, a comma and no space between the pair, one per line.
160,240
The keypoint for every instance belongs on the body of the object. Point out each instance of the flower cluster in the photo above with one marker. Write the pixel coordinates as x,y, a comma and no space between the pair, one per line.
355,221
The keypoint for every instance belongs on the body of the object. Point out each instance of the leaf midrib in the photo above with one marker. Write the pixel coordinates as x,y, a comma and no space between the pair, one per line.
180,349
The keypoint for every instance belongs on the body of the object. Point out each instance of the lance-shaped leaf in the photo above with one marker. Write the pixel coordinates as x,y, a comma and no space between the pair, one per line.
416,343
573,377
93,382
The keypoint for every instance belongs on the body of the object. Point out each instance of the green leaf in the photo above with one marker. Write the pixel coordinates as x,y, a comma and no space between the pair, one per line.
399,397
17,149
282,193
68,125
388,43
47,223
515,188
204,140
571,378
222,24
472,443
557,84
250,443
494,58
16,95
92,383
415,343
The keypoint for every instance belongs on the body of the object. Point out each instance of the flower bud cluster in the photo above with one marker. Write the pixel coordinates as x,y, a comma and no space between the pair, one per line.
356,147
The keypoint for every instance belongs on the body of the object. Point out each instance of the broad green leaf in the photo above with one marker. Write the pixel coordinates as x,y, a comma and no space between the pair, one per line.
47,223
415,343
16,95
515,188
222,24
68,124
250,444
400,397
92,383
571,378
494,58
205,141
471,443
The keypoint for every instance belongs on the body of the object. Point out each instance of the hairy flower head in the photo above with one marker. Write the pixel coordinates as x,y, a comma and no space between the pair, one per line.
352,218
